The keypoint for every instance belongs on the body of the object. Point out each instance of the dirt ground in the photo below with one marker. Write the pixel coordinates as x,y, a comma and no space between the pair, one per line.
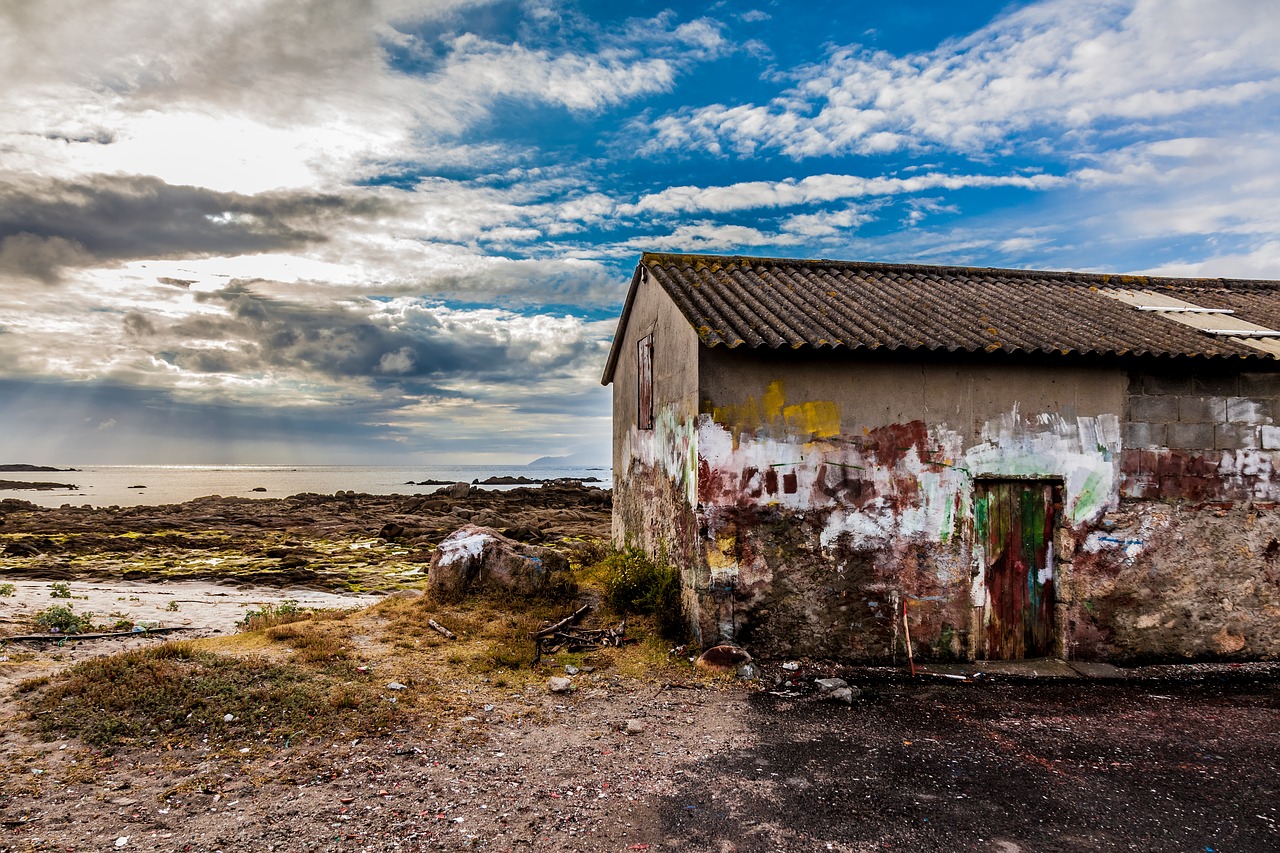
640,755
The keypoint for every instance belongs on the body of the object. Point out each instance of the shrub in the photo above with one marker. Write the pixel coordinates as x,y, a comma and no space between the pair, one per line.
273,614
59,590
62,619
635,584
7,589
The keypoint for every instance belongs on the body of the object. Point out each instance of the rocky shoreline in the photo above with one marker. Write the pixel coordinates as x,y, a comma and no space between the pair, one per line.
15,485
344,542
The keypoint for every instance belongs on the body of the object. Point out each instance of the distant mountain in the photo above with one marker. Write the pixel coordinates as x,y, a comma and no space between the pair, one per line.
23,467
586,459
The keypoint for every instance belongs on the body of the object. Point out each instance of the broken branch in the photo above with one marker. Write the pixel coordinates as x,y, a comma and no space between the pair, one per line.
440,629
568,620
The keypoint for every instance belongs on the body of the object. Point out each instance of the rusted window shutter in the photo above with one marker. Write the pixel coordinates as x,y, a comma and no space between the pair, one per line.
644,383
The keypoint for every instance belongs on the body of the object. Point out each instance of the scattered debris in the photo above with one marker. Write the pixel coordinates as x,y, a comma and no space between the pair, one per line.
562,635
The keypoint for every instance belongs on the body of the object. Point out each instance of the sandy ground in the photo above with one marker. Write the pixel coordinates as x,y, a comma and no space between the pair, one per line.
202,607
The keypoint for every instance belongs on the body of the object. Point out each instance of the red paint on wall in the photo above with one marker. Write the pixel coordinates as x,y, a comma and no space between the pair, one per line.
1187,475
889,444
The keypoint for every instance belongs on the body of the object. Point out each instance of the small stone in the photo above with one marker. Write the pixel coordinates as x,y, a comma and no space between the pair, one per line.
122,841
845,695
570,669
559,684
791,666
395,685
828,684
228,718
749,672
634,727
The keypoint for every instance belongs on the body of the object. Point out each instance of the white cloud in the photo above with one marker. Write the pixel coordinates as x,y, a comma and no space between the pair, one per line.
1259,262
1062,63
711,237
818,189
250,96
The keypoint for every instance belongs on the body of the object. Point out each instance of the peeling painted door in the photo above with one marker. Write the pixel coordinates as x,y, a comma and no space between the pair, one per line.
1014,523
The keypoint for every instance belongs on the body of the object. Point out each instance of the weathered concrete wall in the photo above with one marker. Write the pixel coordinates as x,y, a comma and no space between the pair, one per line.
655,470
1187,565
832,489
806,497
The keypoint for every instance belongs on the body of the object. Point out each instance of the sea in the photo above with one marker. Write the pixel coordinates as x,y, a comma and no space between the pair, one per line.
152,485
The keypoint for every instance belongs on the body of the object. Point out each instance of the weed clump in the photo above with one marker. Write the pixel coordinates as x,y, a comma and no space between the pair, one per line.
61,619
635,585
269,615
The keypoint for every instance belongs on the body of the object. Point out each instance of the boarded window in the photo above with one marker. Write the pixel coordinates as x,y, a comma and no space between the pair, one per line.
644,383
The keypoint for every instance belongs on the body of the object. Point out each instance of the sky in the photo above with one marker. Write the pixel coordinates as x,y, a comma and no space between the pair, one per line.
401,231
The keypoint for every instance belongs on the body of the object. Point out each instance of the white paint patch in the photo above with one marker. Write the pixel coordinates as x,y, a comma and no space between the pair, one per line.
467,547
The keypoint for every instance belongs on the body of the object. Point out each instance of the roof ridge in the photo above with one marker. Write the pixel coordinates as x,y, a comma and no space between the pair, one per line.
715,262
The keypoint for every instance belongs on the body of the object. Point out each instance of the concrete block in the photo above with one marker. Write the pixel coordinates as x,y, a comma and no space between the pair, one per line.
1202,410
1269,437
1155,410
1216,384
1235,437
1191,436
1146,435
1156,384
1260,384
1244,410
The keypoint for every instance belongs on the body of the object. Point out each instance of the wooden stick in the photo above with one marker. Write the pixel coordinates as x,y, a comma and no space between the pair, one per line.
440,629
568,620
907,628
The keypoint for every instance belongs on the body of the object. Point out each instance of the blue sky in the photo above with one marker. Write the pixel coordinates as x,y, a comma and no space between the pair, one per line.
312,231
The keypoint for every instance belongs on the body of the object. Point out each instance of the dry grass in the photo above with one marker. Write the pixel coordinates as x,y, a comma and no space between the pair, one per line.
178,692
291,672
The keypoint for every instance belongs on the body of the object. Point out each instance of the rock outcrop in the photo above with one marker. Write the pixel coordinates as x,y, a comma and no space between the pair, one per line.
474,558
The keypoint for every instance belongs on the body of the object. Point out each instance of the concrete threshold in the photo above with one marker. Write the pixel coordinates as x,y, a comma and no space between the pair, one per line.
1033,668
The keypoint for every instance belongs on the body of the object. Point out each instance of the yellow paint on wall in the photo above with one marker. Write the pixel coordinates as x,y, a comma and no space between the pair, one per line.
813,419
819,418
721,551
772,402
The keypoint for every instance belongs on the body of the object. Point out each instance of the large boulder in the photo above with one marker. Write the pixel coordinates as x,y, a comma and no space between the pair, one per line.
474,557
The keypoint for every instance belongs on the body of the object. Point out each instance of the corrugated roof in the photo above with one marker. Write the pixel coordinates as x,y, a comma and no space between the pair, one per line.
776,302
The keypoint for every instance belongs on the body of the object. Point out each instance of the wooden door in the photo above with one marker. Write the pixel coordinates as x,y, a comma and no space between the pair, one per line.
1014,524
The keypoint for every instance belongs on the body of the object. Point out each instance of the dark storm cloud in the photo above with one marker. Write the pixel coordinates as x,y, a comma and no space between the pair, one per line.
48,226
418,346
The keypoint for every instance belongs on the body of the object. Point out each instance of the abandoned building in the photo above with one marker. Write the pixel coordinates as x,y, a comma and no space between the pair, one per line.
1027,463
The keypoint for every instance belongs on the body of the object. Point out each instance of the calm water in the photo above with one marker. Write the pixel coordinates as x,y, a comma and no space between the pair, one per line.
107,485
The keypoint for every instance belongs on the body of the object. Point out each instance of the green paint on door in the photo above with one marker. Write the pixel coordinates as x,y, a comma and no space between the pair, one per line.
1014,523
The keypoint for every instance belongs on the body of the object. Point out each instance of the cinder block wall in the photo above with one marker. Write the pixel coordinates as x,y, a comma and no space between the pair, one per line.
1201,410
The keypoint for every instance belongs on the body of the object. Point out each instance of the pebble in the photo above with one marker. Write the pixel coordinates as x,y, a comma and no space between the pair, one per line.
559,684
